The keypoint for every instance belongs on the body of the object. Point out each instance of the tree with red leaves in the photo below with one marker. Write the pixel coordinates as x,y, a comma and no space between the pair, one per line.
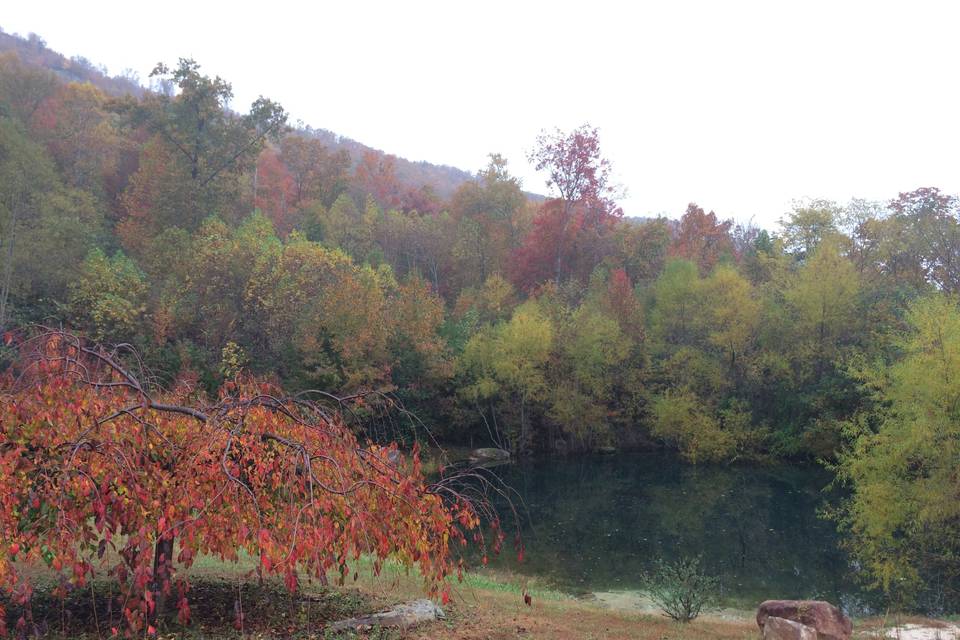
623,302
376,175
319,175
93,458
703,239
275,192
583,203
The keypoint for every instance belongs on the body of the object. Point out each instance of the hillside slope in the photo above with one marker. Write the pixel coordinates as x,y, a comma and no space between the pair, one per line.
443,180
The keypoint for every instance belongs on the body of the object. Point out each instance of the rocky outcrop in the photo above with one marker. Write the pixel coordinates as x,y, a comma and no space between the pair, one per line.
403,616
489,453
829,622
782,629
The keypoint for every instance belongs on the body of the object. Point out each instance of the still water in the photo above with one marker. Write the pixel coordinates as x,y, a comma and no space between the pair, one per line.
596,524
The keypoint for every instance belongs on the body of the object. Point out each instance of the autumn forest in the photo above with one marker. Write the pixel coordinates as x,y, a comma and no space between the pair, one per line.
220,243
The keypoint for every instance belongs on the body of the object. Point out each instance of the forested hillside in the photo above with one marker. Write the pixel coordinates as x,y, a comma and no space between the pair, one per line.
217,241
440,180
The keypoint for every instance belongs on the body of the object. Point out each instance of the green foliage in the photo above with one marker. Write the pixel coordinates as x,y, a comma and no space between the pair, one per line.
522,347
683,420
595,346
39,217
508,364
538,325
66,226
233,360
592,352
487,212
675,300
731,313
348,228
107,299
810,224
904,515
823,298
681,589
193,165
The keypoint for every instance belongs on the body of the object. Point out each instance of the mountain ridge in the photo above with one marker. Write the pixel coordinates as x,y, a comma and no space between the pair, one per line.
442,179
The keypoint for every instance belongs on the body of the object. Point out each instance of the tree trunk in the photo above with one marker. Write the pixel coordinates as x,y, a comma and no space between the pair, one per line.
7,281
523,424
162,571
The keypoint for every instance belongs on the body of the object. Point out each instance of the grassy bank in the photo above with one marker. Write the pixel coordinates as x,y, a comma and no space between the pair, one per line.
485,605
228,602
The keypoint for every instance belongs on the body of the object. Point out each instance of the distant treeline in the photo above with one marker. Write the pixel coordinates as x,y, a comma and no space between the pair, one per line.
215,241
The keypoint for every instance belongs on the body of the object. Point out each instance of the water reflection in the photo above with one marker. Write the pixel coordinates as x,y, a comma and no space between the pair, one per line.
596,524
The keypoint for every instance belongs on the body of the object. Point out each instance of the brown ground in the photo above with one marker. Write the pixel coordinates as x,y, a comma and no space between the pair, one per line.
500,616
478,613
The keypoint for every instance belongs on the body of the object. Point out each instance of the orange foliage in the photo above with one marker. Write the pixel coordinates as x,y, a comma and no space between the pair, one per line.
376,175
156,197
624,303
276,192
702,238
90,461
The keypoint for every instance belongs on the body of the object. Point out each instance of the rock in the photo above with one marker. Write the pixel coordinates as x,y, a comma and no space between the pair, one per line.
782,629
403,616
829,622
490,453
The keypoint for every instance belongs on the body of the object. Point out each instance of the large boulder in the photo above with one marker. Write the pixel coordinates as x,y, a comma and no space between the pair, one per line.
829,622
403,616
782,629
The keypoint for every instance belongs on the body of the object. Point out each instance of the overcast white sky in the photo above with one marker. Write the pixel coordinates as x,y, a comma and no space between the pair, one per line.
739,106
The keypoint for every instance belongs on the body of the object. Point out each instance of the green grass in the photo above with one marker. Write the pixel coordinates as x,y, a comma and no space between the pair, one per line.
505,584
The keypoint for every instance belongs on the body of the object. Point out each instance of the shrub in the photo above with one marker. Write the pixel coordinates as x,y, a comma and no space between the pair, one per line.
680,589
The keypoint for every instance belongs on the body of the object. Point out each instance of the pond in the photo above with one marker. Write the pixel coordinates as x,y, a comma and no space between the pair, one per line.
595,524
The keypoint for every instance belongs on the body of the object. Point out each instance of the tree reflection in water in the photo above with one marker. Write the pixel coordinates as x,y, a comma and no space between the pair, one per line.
597,523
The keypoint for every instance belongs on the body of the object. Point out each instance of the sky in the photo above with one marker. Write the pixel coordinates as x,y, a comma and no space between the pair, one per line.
741,107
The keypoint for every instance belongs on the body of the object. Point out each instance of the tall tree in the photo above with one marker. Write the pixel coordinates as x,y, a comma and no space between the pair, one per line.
209,145
808,225
904,513
506,370
676,302
732,313
580,177
318,175
487,212
931,220
824,300
275,192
